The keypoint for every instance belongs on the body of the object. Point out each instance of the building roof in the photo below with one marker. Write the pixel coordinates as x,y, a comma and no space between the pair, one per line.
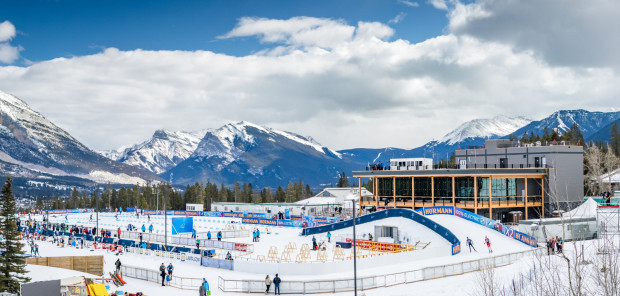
612,177
451,172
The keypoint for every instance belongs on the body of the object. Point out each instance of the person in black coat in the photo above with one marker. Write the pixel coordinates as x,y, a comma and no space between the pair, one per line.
162,270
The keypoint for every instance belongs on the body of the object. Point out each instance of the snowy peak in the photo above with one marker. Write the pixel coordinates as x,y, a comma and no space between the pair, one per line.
232,139
589,122
161,152
32,146
497,126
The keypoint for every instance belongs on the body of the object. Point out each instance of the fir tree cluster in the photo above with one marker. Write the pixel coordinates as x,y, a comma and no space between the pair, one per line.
153,196
12,261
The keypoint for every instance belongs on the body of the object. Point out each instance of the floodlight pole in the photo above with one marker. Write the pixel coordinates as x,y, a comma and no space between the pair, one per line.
97,214
354,252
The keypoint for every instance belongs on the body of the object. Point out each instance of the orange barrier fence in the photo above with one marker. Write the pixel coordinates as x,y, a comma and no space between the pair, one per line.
381,247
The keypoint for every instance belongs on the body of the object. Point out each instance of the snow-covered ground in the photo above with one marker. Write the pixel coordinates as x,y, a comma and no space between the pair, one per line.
438,252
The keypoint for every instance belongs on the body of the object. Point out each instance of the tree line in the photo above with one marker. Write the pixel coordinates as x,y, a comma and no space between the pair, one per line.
153,196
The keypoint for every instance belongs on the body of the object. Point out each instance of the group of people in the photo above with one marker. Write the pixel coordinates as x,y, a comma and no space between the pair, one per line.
162,272
487,242
256,235
554,245
276,284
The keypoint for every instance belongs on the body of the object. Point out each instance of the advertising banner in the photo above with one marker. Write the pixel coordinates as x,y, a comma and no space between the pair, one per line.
193,258
182,225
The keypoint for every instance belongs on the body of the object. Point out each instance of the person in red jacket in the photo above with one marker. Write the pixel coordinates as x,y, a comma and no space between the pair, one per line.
119,232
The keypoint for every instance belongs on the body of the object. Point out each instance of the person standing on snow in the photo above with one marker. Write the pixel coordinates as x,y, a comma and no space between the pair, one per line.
267,283
204,288
209,235
170,269
470,244
162,273
276,285
329,237
488,243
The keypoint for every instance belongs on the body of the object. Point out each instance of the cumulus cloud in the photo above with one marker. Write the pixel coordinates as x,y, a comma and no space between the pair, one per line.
576,33
345,85
7,31
8,53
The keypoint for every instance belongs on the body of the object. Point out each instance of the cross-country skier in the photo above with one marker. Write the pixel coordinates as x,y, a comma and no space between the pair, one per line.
488,243
470,244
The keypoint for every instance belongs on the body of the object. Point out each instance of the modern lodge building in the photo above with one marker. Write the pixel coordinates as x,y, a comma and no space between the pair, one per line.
501,177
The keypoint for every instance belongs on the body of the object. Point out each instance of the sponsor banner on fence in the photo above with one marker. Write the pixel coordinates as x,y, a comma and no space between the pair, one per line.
241,247
193,258
456,248
271,222
481,220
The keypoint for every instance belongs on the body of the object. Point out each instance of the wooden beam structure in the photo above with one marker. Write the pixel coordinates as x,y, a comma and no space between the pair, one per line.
494,202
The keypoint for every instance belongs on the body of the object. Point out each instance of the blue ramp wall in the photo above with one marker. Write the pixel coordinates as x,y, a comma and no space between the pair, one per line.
182,225
404,213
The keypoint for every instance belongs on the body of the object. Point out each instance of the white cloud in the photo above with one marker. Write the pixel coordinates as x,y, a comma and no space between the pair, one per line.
345,85
7,31
8,53
398,18
297,31
439,4
409,3
575,33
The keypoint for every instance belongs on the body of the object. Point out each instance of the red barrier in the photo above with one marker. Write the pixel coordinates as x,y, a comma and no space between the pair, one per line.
241,247
371,245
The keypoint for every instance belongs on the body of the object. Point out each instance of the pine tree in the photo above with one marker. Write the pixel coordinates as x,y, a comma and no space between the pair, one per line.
615,139
343,181
12,265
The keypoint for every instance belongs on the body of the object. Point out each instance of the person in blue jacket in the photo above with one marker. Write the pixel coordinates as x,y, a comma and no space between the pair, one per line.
329,237
219,235
204,288
143,228
151,228
208,235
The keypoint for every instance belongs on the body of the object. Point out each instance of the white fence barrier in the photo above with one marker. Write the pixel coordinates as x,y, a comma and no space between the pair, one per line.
154,276
188,241
371,282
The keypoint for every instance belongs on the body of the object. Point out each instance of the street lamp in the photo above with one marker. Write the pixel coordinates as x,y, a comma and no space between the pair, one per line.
354,252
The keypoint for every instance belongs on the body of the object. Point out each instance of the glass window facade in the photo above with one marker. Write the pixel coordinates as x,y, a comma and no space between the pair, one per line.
443,186
385,186
464,186
422,186
403,186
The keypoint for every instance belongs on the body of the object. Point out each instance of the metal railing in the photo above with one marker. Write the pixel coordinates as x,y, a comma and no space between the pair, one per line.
188,241
155,276
376,281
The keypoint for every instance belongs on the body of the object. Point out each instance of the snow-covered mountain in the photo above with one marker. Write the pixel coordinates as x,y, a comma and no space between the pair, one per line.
164,150
589,122
32,146
471,133
495,127
262,156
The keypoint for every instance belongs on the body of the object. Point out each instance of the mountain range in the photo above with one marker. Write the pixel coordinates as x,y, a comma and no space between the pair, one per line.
33,147
39,152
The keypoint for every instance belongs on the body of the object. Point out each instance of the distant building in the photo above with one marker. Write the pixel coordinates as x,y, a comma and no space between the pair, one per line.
503,176
411,164
193,207
613,179
322,204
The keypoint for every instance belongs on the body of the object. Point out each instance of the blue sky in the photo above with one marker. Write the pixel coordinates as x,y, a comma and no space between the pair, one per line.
347,73
50,29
